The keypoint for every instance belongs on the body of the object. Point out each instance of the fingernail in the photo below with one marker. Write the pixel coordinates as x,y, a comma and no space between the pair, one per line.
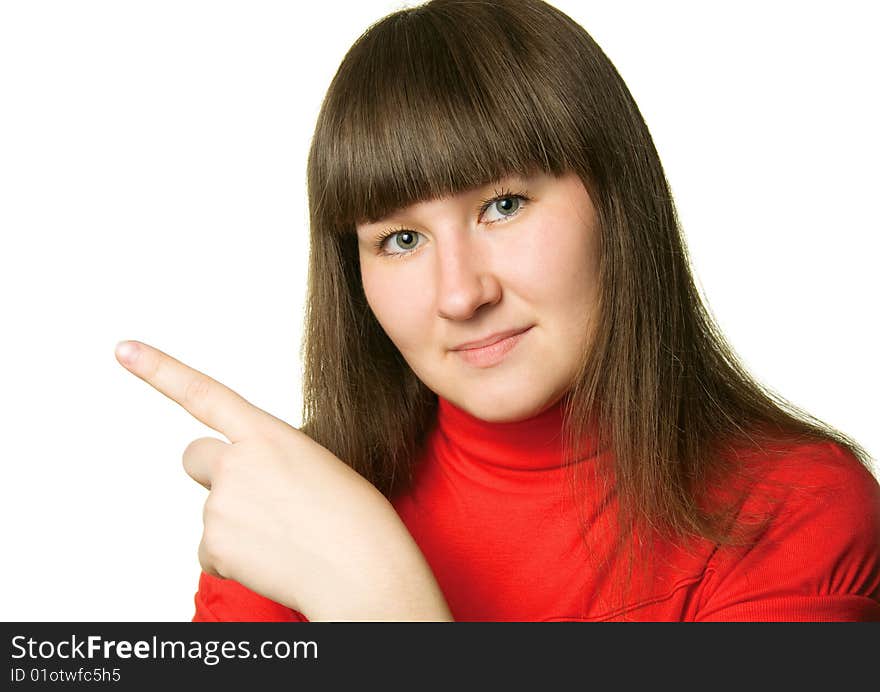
126,351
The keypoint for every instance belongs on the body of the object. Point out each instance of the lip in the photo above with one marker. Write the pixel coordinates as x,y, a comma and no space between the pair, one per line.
489,340
492,350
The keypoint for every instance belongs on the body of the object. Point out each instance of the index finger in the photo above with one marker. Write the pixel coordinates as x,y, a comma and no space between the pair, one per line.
211,402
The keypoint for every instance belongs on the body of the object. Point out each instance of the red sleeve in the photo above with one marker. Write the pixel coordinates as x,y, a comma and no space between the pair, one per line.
224,600
819,558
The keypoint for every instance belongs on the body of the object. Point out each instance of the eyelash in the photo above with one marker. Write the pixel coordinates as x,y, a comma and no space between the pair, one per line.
484,206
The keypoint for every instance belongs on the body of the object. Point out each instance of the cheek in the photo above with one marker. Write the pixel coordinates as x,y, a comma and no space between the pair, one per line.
557,264
399,306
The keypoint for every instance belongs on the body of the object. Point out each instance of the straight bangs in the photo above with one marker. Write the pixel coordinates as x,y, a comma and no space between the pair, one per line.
430,102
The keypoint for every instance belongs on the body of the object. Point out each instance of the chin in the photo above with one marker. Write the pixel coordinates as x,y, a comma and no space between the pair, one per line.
509,408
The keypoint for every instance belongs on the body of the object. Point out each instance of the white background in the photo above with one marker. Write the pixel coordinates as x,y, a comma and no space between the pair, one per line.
152,187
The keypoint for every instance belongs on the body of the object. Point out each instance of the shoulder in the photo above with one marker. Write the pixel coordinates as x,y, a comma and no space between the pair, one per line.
820,480
816,553
782,479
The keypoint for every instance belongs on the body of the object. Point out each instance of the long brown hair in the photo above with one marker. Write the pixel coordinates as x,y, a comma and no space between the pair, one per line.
453,94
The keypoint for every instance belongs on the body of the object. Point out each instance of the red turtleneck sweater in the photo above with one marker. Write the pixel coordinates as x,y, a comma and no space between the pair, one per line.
490,512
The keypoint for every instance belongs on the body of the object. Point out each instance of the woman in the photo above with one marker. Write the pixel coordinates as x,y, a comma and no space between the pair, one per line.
503,337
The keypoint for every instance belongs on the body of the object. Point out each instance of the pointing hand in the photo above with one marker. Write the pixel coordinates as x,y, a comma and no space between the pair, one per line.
284,516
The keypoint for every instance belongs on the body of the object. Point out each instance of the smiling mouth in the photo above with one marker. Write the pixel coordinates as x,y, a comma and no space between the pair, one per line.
491,339
493,353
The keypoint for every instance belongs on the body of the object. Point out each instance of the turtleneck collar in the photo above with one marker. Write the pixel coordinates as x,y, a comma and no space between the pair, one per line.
533,444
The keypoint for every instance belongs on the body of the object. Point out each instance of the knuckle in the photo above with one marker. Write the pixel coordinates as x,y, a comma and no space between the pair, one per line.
154,365
212,510
211,552
195,394
207,557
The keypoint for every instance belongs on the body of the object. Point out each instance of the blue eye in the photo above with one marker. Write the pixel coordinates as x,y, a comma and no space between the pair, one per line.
507,206
400,242
405,240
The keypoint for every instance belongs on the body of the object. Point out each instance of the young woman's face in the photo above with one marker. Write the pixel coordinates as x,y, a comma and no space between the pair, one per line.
462,269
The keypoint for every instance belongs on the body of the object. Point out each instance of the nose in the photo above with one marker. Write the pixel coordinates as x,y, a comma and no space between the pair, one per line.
465,282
